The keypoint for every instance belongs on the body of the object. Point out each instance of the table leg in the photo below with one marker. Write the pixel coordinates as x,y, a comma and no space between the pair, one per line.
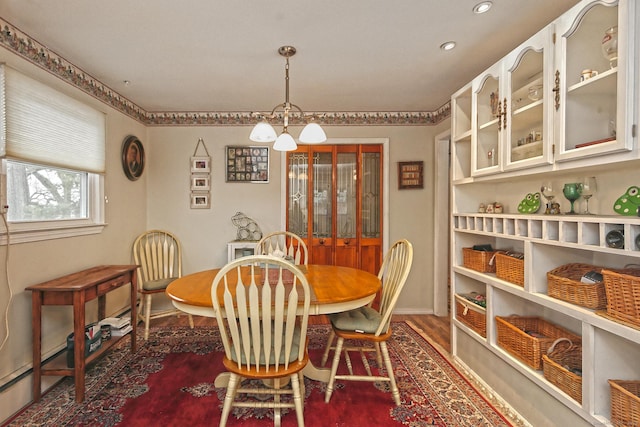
36,322
78,343
134,309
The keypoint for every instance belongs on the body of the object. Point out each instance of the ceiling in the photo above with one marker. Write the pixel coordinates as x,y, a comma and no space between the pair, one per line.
212,55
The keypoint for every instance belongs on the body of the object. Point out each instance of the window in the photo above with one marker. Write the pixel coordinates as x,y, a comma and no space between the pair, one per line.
43,193
53,155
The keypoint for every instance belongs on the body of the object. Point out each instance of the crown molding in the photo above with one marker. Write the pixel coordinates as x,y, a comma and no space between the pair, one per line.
39,55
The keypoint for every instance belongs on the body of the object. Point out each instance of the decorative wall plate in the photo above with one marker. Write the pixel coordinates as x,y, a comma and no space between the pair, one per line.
132,157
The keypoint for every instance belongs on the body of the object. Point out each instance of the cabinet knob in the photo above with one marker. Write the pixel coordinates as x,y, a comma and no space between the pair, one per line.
321,241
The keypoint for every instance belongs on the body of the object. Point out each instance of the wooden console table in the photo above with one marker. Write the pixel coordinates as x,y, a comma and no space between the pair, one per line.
76,289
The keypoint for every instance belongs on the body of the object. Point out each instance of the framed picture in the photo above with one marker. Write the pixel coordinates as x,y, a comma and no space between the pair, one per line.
247,164
201,164
200,182
132,157
410,175
200,201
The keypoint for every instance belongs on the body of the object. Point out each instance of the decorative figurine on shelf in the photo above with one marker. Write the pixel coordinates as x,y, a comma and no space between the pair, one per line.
629,203
530,204
248,229
482,208
491,208
548,192
498,208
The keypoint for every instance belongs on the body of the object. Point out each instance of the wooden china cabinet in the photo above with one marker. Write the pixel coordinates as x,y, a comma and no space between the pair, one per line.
334,202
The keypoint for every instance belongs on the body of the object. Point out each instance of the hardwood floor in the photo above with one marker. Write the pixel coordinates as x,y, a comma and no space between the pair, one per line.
437,328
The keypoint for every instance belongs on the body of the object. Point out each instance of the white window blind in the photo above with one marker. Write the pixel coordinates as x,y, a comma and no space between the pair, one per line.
45,126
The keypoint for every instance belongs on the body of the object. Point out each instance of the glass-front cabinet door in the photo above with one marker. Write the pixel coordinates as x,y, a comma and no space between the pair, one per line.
527,115
461,134
334,196
594,60
512,117
487,122
346,206
322,227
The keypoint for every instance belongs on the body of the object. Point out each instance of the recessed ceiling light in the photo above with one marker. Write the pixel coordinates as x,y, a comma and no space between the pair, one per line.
482,7
448,45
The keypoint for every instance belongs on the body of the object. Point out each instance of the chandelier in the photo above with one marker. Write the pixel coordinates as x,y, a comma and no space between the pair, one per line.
312,133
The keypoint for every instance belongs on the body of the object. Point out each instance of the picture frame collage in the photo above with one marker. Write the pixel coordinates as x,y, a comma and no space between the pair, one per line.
200,178
247,164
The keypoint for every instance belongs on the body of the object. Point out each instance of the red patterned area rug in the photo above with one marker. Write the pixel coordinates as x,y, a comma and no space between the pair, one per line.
169,382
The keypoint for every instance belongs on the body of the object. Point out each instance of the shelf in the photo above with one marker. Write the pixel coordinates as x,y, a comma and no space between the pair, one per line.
602,84
577,231
58,365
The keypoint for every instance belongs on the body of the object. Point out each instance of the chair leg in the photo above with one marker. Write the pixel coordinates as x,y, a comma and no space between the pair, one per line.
190,321
392,379
234,382
140,307
325,356
147,315
378,355
298,399
277,410
334,369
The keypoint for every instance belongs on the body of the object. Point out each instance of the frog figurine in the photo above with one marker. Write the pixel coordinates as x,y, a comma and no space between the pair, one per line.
629,202
530,204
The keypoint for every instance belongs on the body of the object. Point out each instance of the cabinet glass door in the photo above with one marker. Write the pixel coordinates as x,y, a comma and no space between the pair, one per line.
371,195
528,119
322,195
461,133
593,106
298,183
489,124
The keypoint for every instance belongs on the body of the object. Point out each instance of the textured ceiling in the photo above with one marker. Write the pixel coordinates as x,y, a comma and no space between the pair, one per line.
210,55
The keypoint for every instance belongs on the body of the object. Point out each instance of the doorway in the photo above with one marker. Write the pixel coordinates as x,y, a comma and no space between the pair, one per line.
442,222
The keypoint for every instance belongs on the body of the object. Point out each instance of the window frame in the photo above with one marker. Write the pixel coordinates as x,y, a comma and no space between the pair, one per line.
34,231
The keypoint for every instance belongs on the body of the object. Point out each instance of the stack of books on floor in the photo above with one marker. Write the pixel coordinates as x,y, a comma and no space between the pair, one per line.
120,326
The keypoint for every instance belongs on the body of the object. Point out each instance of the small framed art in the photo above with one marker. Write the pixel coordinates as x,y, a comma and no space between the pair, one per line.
200,182
200,201
410,175
132,157
201,164
247,164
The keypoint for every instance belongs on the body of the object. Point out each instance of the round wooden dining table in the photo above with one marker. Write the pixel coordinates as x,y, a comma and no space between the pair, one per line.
333,288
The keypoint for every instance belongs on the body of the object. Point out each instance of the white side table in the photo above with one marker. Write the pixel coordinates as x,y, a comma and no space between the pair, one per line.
239,248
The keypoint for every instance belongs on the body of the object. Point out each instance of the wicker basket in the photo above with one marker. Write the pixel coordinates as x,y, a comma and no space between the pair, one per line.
558,365
510,269
478,260
625,403
564,283
472,315
623,294
513,338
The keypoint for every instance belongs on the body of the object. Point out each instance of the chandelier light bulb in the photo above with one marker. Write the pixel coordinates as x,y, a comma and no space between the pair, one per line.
263,132
312,134
285,142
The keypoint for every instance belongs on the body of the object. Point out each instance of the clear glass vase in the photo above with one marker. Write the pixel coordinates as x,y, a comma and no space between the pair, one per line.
610,46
